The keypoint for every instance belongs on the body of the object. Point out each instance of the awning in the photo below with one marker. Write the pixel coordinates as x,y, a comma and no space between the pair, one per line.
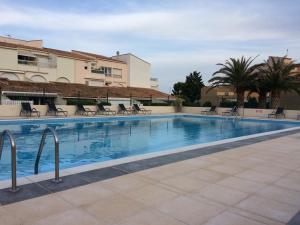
29,94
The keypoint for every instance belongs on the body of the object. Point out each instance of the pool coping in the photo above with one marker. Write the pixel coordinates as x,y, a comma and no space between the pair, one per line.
44,187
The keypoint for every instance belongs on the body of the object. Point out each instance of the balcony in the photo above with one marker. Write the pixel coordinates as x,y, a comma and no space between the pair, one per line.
27,62
94,70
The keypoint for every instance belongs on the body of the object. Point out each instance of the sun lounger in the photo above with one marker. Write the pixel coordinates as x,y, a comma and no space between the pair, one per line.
103,111
212,110
124,110
28,111
52,109
81,110
233,112
279,112
137,109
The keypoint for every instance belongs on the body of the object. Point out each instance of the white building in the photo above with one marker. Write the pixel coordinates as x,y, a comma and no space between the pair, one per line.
138,71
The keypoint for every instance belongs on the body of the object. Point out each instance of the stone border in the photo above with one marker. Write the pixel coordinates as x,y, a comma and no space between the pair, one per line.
33,190
295,220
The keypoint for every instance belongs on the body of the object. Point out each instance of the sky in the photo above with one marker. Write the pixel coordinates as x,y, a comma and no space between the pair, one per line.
177,37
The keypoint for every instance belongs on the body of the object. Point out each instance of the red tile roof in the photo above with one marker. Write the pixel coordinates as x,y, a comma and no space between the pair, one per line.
97,56
71,90
45,50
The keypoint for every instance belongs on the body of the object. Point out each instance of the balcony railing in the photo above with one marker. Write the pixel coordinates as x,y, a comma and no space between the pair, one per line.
26,62
97,71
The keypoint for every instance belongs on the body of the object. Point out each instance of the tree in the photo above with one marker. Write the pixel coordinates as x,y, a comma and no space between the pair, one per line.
178,89
190,90
261,87
193,85
280,77
237,73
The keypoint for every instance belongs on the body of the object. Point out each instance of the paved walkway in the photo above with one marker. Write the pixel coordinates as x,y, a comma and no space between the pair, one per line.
253,185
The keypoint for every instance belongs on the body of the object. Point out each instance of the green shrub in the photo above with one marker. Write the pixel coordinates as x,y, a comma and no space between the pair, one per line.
105,103
74,101
252,103
191,104
227,104
157,104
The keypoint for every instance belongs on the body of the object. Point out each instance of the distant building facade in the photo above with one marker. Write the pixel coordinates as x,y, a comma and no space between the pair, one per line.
23,60
138,71
290,100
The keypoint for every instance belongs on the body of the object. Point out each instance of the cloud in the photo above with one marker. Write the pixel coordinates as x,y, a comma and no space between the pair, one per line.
205,23
176,36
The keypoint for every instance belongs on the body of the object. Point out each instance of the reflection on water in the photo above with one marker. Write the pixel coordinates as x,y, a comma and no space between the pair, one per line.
83,143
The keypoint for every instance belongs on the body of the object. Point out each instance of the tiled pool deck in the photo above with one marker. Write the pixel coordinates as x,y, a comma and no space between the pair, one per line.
249,184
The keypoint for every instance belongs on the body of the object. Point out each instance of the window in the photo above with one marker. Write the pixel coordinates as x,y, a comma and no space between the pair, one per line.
27,60
117,73
102,70
85,67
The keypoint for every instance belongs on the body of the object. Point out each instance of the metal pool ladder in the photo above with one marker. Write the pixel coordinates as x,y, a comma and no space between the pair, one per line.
14,187
57,179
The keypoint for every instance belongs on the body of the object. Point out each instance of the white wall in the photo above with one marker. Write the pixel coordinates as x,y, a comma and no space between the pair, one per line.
260,113
138,70
14,110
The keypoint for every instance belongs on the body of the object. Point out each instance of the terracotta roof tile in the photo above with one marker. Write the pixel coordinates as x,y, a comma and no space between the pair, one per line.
97,56
72,90
45,50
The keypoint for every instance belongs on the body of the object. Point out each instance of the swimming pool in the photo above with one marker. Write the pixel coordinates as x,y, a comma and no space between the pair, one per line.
89,140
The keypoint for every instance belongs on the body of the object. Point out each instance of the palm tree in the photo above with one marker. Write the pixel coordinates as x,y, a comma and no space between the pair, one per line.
237,73
280,78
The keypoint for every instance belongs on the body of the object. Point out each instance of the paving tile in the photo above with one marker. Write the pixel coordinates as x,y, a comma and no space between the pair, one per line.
207,175
241,184
150,217
272,169
265,207
254,216
253,175
281,194
221,194
185,183
126,183
190,211
225,168
37,208
85,194
74,217
229,218
113,209
7,219
151,195
167,171
289,183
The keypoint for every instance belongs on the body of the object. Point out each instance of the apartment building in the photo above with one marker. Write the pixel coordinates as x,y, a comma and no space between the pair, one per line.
101,71
138,71
30,61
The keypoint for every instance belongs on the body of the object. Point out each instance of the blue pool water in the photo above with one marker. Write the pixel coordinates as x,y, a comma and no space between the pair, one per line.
84,141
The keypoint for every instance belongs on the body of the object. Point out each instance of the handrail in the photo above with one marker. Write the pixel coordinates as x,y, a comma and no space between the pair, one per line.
14,187
56,141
